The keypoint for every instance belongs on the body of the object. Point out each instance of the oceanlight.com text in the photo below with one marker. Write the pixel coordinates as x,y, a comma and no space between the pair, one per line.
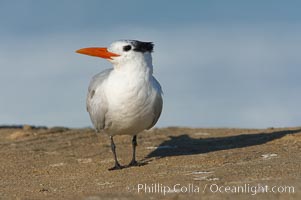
251,189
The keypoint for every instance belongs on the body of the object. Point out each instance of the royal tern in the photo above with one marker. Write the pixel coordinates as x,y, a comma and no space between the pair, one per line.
127,98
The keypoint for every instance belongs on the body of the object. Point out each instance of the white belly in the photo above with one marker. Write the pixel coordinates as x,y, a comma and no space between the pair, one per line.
130,107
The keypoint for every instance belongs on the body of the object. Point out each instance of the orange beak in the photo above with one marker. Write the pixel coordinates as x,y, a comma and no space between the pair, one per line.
98,52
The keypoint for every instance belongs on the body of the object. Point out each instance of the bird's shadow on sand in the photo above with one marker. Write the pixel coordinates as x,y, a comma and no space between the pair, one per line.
185,145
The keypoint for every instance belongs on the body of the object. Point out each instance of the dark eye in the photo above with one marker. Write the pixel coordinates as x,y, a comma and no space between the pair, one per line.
127,48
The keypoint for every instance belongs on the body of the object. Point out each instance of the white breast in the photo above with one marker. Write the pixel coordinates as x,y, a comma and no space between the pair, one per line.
130,99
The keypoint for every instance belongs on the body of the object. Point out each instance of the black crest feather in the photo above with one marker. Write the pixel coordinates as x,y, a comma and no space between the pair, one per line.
143,46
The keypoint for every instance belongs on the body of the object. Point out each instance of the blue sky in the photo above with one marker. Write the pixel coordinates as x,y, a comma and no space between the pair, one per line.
220,63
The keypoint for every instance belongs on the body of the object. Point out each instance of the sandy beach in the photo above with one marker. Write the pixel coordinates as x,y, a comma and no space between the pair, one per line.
176,163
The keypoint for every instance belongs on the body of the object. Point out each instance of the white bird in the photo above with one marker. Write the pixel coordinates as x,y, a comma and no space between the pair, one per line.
126,99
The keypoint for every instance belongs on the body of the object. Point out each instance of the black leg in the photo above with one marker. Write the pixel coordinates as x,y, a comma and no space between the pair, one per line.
134,144
113,147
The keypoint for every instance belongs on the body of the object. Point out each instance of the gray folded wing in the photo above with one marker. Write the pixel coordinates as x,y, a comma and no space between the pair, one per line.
97,105
158,103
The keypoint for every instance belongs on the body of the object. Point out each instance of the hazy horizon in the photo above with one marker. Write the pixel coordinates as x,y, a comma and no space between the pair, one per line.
230,64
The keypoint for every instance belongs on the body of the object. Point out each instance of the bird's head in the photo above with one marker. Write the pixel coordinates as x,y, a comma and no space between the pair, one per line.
123,52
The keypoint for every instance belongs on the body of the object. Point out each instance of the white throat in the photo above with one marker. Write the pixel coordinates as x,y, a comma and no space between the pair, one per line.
141,63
